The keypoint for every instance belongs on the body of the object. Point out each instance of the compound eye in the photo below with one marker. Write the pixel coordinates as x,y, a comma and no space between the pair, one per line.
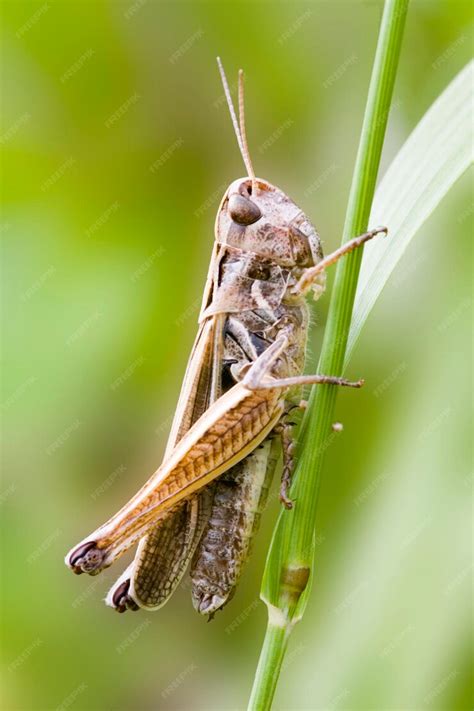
242,210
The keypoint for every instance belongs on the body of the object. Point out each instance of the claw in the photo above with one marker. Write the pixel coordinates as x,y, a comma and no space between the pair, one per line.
121,600
86,558
287,503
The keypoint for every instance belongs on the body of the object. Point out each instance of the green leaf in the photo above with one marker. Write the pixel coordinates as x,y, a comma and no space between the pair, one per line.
436,154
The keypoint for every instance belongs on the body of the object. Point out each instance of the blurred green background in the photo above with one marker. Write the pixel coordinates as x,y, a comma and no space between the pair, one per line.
117,146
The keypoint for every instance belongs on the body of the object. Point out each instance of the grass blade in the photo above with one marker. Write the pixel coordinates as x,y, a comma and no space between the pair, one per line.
287,576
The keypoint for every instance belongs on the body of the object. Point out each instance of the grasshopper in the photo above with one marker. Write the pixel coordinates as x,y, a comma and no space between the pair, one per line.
202,506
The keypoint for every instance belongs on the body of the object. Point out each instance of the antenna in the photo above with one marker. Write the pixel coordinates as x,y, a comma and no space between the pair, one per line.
243,133
239,130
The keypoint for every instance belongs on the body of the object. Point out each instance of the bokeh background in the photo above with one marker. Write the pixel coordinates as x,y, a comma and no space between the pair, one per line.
117,146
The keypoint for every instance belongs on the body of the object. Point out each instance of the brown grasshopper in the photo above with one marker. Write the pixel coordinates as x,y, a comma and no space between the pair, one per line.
204,502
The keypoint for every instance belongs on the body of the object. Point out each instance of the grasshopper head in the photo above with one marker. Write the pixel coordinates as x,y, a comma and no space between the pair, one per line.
266,228
259,218
255,216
